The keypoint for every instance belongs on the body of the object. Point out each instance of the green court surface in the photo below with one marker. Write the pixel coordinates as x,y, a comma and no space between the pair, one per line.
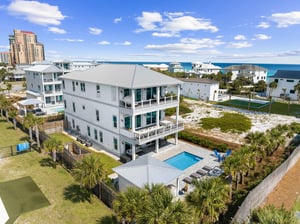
244,103
20,196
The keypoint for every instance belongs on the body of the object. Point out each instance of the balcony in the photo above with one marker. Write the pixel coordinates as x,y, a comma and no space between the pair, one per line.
152,133
164,100
48,80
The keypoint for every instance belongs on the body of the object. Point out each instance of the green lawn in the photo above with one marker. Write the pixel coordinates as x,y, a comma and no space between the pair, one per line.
108,161
68,203
276,108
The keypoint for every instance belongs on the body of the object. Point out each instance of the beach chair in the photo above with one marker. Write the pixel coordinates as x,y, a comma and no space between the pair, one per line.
201,172
188,180
207,168
216,153
228,152
195,176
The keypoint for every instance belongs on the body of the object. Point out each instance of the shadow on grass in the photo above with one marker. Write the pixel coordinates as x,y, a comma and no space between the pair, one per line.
46,162
108,219
10,128
77,194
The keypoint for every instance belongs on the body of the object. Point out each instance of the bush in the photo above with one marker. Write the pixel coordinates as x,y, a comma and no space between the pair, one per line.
190,137
182,110
229,122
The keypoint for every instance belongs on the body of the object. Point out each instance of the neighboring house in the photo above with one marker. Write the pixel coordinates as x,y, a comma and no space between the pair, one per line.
175,67
147,170
43,83
201,68
286,81
252,72
157,67
17,75
69,66
204,89
120,107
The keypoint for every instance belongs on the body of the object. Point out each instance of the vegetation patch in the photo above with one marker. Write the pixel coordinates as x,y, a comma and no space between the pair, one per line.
229,122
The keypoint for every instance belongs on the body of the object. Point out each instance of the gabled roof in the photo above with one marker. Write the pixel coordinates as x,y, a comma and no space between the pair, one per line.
43,68
147,170
287,74
244,67
122,75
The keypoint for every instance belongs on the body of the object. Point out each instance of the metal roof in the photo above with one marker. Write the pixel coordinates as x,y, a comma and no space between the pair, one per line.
287,74
122,75
43,68
147,170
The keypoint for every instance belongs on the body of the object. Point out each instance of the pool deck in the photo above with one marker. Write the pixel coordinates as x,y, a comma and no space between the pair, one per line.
209,159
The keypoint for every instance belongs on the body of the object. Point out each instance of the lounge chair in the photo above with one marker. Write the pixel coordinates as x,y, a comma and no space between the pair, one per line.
228,152
201,172
207,168
195,176
216,153
188,180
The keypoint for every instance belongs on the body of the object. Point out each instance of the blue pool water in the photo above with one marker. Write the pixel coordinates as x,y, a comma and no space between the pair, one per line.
183,160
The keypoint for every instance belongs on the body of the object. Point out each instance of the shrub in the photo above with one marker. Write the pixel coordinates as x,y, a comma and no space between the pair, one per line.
229,122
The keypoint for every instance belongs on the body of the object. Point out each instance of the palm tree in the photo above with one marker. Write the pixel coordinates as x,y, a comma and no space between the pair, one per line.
8,87
53,146
297,89
129,203
29,123
32,122
13,113
160,207
209,198
271,214
272,85
6,105
89,171
38,121
231,166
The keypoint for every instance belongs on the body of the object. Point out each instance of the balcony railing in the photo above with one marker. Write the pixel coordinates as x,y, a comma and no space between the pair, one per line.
152,133
48,80
127,103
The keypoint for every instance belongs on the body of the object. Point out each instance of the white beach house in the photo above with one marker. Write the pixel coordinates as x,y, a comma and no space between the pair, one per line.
43,83
201,68
120,107
286,81
252,72
203,89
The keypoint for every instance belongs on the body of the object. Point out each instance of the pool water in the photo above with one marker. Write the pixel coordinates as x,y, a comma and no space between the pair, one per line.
183,160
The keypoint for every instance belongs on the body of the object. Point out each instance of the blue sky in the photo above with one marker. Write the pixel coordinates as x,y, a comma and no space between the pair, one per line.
254,31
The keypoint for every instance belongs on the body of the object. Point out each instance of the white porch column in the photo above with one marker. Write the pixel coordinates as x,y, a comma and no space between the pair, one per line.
157,145
177,187
177,113
133,151
133,99
157,94
133,123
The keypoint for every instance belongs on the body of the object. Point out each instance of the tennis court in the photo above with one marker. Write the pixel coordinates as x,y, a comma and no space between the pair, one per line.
254,104
20,196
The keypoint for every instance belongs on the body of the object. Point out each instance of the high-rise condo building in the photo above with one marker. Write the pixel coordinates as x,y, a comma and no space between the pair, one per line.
24,48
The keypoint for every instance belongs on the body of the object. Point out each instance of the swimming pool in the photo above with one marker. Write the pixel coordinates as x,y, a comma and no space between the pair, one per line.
183,160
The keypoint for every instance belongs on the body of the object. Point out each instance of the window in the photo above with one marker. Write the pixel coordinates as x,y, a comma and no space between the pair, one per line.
115,143
151,118
138,95
292,91
82,87
65,104
89,131
126,92
73,85
96,134
74,107
97,115
98,90
275,80
115,121
290,80
73,123
83,107
63,84
127,122
100,136
138,121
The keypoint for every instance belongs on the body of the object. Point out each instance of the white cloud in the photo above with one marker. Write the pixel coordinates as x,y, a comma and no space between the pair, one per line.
4,47
36,12
125,43
147,21
263,25
56,30
286,19
70,40
262,37
187,45
240,37
95,31
243,44
171,24
117,20
104,42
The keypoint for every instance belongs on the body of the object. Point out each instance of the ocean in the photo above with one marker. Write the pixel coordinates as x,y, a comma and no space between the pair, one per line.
272,68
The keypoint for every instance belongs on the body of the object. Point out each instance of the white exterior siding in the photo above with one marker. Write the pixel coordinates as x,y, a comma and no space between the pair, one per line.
203,91
283,83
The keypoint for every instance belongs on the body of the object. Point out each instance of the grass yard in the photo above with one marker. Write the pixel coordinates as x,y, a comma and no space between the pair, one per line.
276,108
68,203
8,135
108,162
